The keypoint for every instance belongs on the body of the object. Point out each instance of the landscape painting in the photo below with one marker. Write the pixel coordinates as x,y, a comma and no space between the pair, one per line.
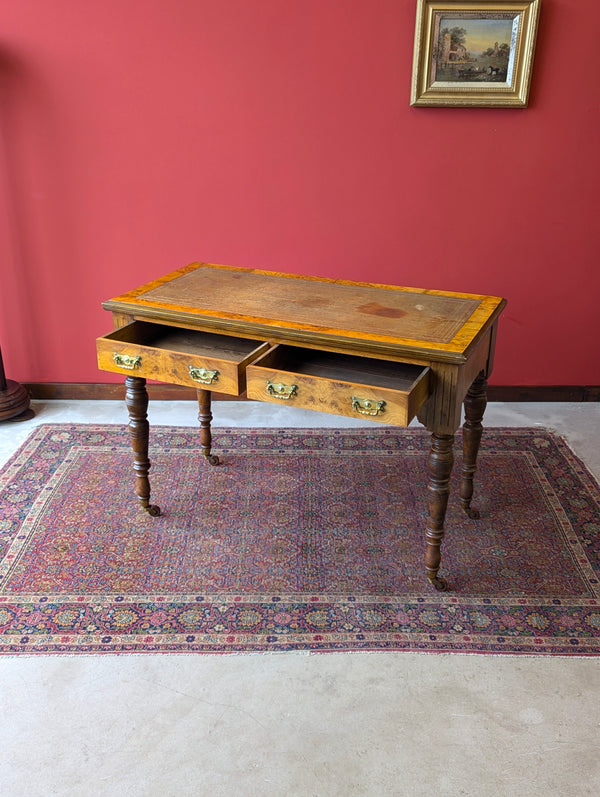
474,49
469,53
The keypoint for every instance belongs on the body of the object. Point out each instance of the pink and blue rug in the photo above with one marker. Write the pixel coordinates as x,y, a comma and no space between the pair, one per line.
300,540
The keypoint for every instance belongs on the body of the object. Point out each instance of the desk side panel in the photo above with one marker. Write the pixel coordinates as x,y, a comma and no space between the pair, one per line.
442,413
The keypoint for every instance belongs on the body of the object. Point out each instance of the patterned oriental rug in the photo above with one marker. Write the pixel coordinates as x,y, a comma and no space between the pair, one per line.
300,540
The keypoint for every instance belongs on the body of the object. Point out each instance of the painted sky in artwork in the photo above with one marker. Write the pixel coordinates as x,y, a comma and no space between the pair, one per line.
481,33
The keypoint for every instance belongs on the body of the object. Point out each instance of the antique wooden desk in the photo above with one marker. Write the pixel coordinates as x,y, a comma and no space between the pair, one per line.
379,352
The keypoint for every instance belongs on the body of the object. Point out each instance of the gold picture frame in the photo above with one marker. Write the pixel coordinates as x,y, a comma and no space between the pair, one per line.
474,54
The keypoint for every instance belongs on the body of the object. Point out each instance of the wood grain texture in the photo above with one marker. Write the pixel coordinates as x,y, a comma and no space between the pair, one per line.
340,384
166,354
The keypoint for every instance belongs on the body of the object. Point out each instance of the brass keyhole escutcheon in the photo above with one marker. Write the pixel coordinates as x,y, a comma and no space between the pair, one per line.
281,391
203,375
128,361
368,406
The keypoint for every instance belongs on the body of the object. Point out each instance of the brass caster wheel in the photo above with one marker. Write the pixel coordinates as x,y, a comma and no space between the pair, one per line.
153,510
212,459
440,584
472,513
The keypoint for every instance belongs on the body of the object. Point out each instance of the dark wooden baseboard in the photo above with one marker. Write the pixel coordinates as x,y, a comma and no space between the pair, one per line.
544,393
105,391
160,392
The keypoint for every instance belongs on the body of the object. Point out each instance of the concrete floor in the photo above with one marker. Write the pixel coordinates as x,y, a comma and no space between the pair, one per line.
300,724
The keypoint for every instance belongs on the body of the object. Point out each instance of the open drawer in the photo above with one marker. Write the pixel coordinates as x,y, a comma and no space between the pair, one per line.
358,387
179,356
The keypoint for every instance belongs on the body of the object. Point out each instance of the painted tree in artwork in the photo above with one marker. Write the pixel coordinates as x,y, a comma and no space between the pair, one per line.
458,36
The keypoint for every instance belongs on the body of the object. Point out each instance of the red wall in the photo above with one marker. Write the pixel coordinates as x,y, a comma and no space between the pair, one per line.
139,135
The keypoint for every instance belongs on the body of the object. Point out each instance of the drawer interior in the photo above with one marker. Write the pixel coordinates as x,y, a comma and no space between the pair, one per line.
343,367
184,341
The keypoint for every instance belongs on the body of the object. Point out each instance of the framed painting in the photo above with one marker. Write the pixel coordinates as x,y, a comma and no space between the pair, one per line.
474,54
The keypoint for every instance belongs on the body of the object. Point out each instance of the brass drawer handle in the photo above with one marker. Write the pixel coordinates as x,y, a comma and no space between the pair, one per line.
127,361
368,406
279,390
203,375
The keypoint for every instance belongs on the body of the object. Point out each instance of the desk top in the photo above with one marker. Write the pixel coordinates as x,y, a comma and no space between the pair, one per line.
311,310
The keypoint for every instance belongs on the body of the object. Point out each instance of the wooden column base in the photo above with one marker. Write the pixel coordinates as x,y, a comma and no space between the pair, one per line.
14,402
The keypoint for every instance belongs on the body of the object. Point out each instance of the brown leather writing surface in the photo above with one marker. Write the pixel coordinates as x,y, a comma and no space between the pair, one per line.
274,299
297,307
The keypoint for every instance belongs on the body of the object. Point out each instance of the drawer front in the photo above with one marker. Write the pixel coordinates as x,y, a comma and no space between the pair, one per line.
268,380
209,365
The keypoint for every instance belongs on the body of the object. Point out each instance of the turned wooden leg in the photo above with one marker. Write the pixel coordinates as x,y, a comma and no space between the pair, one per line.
136,399
440,462
475,404
205,417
